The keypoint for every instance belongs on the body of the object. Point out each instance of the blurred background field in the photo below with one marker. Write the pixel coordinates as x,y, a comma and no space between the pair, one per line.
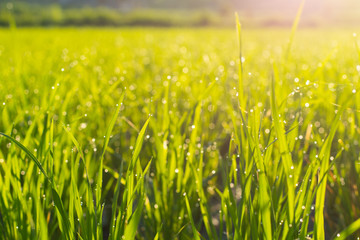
166,13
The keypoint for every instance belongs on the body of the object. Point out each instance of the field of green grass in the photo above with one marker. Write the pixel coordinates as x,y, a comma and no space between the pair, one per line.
165,134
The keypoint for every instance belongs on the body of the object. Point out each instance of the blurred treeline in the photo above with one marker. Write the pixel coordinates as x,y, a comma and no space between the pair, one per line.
185,13
26,14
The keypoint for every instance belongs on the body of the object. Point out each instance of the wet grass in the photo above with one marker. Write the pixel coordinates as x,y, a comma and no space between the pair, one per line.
166,134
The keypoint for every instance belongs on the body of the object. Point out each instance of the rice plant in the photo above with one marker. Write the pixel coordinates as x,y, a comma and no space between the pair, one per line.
179,133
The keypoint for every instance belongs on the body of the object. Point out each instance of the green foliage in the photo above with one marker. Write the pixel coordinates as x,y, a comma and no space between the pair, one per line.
107,133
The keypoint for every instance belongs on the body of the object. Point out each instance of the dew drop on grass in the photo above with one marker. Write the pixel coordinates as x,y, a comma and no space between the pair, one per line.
176,170
338,235
354,91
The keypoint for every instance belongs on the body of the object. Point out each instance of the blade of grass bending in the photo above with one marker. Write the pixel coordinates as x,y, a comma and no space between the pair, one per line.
349,230
64,218
196,234
30,155
99,179
324,158
57,200
138,145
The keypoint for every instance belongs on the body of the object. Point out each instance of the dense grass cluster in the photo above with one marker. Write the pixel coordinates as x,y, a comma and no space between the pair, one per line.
154,134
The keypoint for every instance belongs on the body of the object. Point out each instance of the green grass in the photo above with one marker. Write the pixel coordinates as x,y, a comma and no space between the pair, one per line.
165,134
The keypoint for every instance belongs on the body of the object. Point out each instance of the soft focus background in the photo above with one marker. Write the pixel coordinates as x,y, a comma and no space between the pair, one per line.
259,13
